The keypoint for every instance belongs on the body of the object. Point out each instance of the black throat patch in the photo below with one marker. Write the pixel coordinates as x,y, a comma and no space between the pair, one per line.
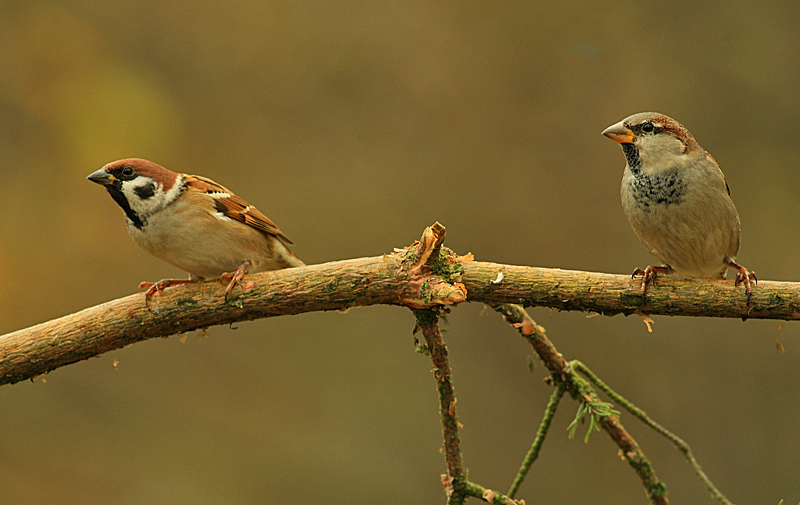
632,157
649,189
118,197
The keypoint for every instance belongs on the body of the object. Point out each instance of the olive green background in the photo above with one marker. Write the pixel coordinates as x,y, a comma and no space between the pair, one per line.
353,125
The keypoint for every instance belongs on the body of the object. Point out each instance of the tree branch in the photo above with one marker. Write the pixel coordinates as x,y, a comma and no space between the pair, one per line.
611,294
428,322
678,442
533,452
579,389
397,278
427,278
403,277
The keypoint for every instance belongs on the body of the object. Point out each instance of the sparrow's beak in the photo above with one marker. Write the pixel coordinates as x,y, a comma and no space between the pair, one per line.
102,177
620,133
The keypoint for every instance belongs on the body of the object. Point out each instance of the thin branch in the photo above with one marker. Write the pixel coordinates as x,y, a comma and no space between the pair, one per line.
489,496
678,442
533,453
428,322
457,487
579,389
470,489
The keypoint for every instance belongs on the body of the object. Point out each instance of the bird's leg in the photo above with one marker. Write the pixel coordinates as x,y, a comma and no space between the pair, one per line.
235,277
649,276
743,276
155,288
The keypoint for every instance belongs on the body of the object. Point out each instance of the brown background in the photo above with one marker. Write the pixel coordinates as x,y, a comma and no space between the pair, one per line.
354,125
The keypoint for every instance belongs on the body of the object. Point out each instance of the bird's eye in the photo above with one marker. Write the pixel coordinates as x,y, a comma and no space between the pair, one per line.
127,171
648,127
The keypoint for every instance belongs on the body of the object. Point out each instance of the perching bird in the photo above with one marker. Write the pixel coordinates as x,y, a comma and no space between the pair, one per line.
193,223
677,201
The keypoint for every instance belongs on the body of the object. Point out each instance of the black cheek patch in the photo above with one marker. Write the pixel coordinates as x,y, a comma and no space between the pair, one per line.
118,197
146,191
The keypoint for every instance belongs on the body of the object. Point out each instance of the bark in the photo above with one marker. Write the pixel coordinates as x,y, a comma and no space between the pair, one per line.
416,277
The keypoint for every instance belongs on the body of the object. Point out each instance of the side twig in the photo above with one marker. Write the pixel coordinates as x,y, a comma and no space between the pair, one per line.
456,484
533,453
440,267
678,442
428,323
579,389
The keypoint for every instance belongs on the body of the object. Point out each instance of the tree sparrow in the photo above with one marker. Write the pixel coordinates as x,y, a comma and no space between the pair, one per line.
193,223
677,201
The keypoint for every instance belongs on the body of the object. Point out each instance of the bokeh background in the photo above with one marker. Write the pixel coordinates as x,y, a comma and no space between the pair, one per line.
354,125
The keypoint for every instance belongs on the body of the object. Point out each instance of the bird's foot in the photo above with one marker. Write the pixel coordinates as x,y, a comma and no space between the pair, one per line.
235,277
155,288
649,276
744,276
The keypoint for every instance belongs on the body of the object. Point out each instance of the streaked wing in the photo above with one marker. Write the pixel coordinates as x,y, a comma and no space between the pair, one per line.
234,207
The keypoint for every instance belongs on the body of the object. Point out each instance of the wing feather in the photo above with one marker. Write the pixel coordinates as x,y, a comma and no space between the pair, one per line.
233,207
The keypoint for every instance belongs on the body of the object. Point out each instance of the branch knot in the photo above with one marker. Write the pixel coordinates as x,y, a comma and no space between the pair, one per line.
434,272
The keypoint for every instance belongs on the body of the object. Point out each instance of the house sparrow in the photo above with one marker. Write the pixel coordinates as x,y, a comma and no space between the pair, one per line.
193,223
677,201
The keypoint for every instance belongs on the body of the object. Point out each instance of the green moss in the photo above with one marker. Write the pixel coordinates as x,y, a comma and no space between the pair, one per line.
186,303
422,349
632,299
409,258
659,490
425,291
774,300
447,266
331,286
278,296
426,318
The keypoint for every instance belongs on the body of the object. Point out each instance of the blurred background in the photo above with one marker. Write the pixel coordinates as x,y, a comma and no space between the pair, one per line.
353,125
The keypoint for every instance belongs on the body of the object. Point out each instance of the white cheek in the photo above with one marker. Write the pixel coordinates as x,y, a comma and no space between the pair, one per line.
143,206
146,207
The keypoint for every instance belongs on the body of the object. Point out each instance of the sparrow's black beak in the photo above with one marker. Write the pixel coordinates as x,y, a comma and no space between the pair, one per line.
102,177
620,133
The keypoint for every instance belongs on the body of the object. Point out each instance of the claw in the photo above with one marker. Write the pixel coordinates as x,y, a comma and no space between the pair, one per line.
236,278
649,276
743,276
637,271
155,288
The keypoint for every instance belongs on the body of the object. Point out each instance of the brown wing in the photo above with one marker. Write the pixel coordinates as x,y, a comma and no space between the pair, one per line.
234,207
728,188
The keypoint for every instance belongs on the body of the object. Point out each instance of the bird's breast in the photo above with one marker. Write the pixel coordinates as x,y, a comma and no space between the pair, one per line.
646,192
